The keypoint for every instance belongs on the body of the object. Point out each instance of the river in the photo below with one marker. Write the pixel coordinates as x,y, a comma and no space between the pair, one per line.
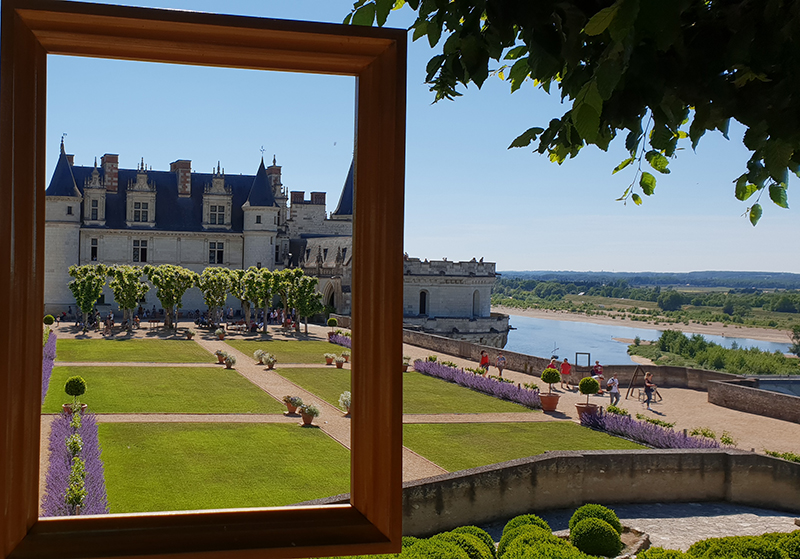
545,337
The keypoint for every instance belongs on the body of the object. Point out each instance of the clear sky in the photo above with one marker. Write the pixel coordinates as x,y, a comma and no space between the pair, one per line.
467,195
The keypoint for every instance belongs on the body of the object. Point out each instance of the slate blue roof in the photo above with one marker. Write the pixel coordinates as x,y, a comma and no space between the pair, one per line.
261,191
63,182
345,206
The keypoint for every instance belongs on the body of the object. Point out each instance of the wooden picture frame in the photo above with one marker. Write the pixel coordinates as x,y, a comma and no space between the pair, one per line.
371,523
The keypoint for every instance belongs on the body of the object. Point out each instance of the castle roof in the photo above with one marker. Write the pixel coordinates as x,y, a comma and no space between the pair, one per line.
345,207
63,181
261,192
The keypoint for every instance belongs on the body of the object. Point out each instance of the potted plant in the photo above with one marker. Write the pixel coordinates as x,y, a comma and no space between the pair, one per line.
75,386
346,355
588,386
550,376
258,355
340,362
190,333
292,403
345,401
308,412
230,361
220,333
333,323
220,355
406,362
329,357
269,360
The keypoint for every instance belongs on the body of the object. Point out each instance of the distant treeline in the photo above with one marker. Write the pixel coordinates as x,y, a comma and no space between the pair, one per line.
738,280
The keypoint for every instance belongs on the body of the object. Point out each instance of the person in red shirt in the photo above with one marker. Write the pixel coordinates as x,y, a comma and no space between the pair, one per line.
566,369
484,363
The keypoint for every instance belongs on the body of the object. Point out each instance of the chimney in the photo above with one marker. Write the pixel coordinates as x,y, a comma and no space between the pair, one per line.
274,174
298,197
71,159
110,164
318,198
183,168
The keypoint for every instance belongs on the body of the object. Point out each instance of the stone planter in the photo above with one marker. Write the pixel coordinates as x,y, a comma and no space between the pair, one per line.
291,409
549,401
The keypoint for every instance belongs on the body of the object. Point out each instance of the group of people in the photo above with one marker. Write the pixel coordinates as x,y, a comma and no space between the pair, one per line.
500,362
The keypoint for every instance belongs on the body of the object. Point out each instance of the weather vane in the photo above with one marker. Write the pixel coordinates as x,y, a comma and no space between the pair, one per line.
262,151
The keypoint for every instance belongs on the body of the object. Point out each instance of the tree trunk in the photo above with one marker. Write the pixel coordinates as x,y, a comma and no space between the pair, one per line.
246,309
266,315
306,326
127,314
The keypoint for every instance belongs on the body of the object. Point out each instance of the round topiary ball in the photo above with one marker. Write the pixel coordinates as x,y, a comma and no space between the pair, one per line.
332,322
433,548
595,537
75,386
408,541
791,544
592,510
551,376
479,533
526,519
541,549
588,386
527,532
48,319
472,545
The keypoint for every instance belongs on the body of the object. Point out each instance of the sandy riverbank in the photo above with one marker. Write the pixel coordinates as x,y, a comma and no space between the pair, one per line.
712,329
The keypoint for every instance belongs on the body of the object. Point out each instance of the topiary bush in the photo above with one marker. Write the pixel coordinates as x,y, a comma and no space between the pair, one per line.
661,553
408,541
49,320
526,519
592,510
544,549
332,322
588,386
551,376
791,545
75,387
479,533
595,537
744,547
433,548
474,547
526,533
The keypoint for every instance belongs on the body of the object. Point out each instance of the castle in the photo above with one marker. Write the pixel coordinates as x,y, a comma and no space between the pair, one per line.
104,214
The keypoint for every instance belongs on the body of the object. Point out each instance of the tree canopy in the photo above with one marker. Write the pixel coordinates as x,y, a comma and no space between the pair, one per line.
656,71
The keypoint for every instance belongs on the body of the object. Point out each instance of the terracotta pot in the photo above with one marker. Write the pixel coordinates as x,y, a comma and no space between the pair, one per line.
346,358
221,336
329,361
348,411
270,365
405,368
229,365
220,359
307,419
549,401
339,365
589,409
189,336
291,408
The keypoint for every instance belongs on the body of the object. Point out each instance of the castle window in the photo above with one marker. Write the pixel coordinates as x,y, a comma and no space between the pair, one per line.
216,253
258,219
140,251
94,211
277,254
217,215
344,253
324,253
423,302
140,211
258,265
94,250
69,210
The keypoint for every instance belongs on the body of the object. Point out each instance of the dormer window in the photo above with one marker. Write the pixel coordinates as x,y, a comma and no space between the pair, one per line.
217,215
140,210
95,204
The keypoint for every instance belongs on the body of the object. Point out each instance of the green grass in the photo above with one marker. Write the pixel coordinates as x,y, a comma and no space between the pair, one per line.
132,351
421,394
289,351
182,466
161,390
459,446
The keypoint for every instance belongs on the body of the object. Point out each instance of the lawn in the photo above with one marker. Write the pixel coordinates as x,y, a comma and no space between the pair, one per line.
289,351
131,351
461,446
186,466
161,390
421,394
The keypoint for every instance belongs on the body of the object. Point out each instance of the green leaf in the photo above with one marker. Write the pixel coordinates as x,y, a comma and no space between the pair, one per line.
433,66
587,122
516,52
743,189
622,165
621,25
420,29
365,15
624,195
601,20
526,137
589,95
632,141
776,158
519,71
434,32
347,19
755,214
777,193
607,77
660,136
657,161
636,199
383,7
648,183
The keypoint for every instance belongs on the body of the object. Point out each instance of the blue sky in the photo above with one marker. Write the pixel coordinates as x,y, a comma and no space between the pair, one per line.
466,194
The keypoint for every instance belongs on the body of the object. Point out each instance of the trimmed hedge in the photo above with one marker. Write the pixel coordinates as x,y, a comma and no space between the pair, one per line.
661,553
473,546
596,537
745,547
480,533
526,534
591,510
435,549
525,520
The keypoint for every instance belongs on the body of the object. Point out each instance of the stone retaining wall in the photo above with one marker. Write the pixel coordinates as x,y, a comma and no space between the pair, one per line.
569,479
744,395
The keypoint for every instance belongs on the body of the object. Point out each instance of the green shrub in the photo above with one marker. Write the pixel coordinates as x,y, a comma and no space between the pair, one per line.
550,376
473,546
588,386
544,549
655,421
480,533
332,322
408,541
48,319
433,548
618,411
75,387
791,545
705,432
525,520
595,537
527,532
744,547
661,553
591,510
790,456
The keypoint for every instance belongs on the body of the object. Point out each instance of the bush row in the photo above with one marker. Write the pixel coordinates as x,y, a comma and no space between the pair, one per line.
48,360
767,546
341,340
503,390
647,433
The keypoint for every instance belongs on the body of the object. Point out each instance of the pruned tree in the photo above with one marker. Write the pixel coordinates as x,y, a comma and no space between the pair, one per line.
258,287
214,282
87,287
306,299
171,282
239,290
795,347
661,72
283,285
128,287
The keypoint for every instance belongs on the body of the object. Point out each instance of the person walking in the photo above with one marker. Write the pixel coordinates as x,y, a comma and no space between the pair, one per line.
649,388
597,374
566,369
500,363
484,362
613,389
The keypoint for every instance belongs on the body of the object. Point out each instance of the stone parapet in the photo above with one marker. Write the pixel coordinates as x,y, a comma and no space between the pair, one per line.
417,267
745,395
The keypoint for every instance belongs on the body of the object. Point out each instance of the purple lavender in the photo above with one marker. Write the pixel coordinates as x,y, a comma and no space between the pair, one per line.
58,473
502,390
48,359
643,432
338,339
